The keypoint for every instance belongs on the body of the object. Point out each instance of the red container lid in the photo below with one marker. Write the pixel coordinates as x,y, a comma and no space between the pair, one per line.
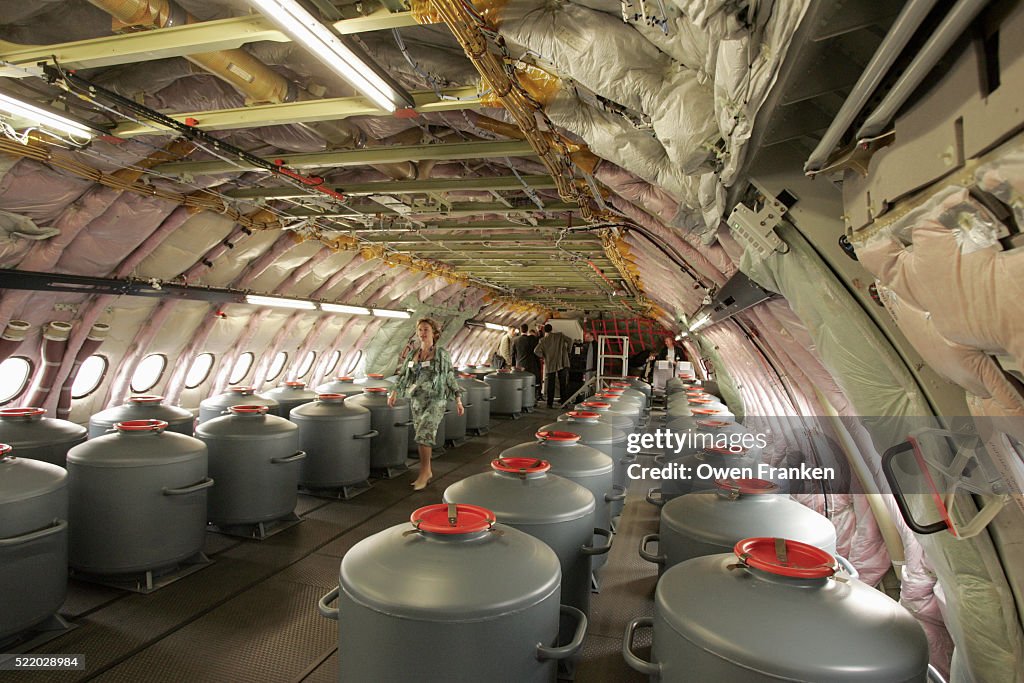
345,378
713,424
748,487
620,385
141,426
22,412
465,375
614,391
606,395
145,399
5,450
557,436
330,397
585,414
596,404
784,557
452,519
376,390
505,370
520,465
374,375
699,401
705,411
249,410
242,390
300,385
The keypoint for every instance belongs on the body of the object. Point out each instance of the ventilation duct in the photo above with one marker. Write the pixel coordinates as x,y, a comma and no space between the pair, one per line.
97,335
55,341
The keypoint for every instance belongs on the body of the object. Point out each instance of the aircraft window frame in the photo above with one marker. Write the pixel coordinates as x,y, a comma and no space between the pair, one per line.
136,385
192,369
277,365
29,371
332,361
248,356
355,362
306,365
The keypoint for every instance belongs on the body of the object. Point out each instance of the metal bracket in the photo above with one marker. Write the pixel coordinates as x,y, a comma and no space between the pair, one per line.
66,307
756,226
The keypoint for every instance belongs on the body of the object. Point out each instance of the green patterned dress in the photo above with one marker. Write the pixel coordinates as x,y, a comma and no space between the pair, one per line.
428,386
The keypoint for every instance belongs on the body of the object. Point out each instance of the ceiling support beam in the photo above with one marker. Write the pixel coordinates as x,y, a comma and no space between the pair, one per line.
175,41
497,183
306,111
361,157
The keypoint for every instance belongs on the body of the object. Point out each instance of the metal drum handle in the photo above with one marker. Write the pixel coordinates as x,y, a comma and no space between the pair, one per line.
659,501
650,557
322,605
13,541
616,497
847,566
298,455
901,501
492,398
368,435
407,423
634,662
599,550
467,405
194,488
566,651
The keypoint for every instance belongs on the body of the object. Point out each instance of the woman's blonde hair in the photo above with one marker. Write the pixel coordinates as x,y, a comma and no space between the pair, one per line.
433,325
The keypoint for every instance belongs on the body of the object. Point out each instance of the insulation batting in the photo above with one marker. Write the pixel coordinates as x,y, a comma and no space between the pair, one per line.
877,384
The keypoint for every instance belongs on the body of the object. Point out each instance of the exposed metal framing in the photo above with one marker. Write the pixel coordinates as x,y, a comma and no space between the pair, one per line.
307,111
495,183
175,41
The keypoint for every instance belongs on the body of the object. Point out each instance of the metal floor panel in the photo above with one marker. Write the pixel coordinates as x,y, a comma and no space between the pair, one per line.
251,615
269,634
601,662
627,581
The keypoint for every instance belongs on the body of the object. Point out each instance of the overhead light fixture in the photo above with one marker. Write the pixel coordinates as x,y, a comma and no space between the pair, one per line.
43,118
385,313
279,302
700,322
304,28
342,308
494,326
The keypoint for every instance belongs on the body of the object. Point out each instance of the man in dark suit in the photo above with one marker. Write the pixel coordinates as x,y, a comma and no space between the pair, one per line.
669,352
523,356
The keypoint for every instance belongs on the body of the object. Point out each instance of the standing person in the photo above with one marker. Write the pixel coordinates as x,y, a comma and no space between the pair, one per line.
554,349
524,358
504,352
428,380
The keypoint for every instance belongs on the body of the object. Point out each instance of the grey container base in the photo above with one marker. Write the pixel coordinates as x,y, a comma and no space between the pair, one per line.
455,443
391,472
150,580
507,416
257,531
54,627
478,431
347,492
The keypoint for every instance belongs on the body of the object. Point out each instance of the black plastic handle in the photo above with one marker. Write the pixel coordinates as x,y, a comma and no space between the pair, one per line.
901,501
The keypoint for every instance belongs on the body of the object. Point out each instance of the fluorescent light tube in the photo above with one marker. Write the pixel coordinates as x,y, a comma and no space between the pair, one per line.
303,27
342,308
42,117
701,321
385,313
494,326
281,303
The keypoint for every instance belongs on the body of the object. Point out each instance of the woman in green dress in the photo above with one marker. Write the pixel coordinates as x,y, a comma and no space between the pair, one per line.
428,380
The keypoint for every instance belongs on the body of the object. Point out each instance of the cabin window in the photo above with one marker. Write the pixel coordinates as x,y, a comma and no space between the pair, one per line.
90,376
355,362
306,365
148,373
241,369
277,365
15,373
199,371
332,362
